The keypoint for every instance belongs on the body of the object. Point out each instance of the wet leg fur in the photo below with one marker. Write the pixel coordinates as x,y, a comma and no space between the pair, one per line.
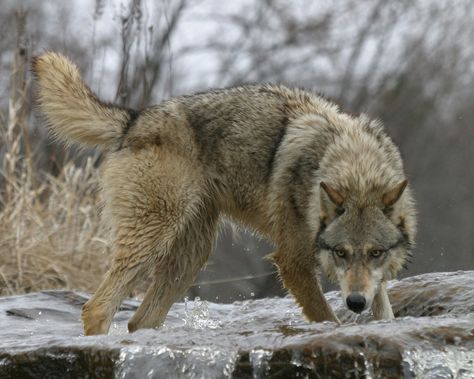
98,312
148,209
297,272
177,271
381,307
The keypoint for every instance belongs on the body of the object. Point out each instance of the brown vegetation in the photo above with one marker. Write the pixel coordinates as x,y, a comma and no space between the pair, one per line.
50,235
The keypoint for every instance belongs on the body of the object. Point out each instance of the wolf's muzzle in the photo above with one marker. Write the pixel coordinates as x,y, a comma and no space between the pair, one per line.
356,302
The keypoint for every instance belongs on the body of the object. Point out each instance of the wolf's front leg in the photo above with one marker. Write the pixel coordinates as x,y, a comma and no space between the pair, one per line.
381,307
298,273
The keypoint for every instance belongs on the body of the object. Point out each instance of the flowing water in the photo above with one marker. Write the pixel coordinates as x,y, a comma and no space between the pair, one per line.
432,337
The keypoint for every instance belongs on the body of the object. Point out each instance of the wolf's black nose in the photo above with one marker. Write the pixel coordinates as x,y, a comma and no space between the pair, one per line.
356,302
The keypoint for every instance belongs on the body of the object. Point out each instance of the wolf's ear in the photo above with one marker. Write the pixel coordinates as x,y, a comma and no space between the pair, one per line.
392,196
334,196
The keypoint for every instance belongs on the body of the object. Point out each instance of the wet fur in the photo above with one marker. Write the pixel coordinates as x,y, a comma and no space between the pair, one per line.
256,154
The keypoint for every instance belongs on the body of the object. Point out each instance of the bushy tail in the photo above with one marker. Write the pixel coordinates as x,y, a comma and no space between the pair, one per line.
74,113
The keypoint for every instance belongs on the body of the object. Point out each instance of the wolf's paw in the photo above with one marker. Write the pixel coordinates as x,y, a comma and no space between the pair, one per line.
95,320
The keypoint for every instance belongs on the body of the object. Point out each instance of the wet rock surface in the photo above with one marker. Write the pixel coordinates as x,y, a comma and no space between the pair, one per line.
433,337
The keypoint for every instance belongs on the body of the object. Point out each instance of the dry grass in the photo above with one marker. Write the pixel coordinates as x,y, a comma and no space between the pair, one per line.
50,233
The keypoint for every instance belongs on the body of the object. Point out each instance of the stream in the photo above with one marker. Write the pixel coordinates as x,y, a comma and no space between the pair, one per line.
432,337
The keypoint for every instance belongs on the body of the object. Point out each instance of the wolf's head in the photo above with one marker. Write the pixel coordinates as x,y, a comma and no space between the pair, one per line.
362,243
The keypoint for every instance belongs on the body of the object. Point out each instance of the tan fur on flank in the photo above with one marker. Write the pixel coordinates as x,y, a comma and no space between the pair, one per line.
327,188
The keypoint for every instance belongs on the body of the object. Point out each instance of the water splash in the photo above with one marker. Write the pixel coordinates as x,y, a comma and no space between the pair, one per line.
259,359
450,363
164,362
196,315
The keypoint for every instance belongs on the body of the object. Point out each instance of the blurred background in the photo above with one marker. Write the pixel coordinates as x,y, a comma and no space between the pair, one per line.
408,63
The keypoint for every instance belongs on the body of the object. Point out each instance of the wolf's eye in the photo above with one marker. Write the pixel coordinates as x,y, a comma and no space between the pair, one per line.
339,211
339,253
376,253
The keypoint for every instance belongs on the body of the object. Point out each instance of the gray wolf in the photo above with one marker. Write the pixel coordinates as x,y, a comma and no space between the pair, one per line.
327,188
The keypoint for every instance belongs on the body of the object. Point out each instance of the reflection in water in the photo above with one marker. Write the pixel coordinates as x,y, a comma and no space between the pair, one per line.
41,336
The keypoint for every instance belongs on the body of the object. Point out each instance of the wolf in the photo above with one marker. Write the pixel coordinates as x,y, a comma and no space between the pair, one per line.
328,189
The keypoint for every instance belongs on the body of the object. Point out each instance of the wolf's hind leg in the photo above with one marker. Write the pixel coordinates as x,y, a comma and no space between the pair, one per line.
297,271
177,271
98,312
149,199
171,281
381,307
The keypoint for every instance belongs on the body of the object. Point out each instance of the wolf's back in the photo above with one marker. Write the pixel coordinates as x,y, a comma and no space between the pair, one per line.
72,110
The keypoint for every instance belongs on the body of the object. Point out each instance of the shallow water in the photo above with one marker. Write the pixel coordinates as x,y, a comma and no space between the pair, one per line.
433,337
